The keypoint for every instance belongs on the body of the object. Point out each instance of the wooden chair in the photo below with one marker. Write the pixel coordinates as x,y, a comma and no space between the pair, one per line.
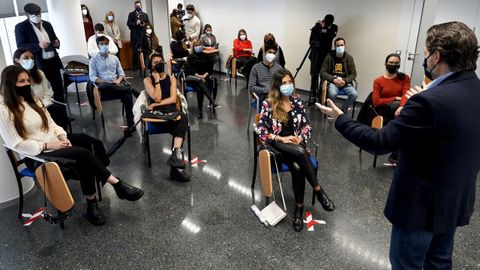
53,184
264,157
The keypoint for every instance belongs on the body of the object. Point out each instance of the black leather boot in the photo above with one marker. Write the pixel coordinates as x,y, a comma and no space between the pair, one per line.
179,174
326,203
94,214
298,219
126,191
176,158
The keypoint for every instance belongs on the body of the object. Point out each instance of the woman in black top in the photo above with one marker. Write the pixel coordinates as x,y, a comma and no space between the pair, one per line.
199,68
162,96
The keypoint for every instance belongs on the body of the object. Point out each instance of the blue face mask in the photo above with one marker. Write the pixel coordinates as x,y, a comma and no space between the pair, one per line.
287,89
198,49
340,50
103,49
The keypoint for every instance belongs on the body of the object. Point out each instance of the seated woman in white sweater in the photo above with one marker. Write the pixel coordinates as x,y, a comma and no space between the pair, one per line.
40,86
26,126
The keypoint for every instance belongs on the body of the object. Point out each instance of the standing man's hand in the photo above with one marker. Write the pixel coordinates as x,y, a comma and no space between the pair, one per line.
56,43
332,110
44,44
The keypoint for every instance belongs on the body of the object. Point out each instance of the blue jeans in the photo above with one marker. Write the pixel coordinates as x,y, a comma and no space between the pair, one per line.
348,90
417,249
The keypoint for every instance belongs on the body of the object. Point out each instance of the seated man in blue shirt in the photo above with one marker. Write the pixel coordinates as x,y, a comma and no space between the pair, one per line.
107,73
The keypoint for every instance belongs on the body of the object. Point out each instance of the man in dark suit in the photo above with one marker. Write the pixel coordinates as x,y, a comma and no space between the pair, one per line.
136,21
433,188
38,36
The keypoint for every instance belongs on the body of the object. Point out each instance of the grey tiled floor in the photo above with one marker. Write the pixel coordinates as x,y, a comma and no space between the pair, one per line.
207,223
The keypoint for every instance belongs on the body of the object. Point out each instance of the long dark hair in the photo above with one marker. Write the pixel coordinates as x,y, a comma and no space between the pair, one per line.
88,12
242,31
12,100
400,75
34,73
275,96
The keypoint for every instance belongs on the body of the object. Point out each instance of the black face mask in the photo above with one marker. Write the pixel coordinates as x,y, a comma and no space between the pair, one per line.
428,73
392,69
159,67
24,91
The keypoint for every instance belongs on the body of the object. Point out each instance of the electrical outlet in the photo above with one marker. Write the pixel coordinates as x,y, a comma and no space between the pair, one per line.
399,52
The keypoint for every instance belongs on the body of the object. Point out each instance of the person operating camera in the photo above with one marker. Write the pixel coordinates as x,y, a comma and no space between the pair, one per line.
321,39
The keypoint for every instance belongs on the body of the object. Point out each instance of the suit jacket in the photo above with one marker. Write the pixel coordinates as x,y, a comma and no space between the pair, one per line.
26,38
438,135
136,30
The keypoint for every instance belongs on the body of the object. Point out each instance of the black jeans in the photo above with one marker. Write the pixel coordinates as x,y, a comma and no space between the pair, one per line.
176,128
298,160
124,92
203,88
59,115
388,111
52,73
247,62
90,161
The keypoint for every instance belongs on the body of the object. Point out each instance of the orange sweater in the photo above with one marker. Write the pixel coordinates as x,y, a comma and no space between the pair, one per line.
386,90
239,45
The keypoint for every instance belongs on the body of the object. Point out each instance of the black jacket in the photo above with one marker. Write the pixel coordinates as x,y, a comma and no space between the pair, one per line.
26,38
438,135
136,30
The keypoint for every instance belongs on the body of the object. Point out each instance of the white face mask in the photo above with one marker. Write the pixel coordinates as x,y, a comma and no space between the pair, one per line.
27,64
340,50
149,31
110,18
84,12
35,18
269,57
243,37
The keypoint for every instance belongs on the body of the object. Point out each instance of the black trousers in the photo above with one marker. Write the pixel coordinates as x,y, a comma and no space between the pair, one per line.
298,160
59,115
247,62
176,128
135,54
124,92
388,111
317,57
52,72
90,161
203,89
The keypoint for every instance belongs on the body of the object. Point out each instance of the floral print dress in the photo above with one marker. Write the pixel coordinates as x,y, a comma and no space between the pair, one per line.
268,125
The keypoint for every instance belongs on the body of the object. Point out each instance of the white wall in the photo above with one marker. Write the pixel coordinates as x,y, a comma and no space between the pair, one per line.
370,34
161,23
256,17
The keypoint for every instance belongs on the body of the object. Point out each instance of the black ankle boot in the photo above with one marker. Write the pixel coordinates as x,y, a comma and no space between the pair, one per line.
94,214
179,174
298,219
126,191
326,203
176,158
199,114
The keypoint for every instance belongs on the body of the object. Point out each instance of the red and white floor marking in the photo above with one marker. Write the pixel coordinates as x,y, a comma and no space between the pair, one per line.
34,217
312,222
